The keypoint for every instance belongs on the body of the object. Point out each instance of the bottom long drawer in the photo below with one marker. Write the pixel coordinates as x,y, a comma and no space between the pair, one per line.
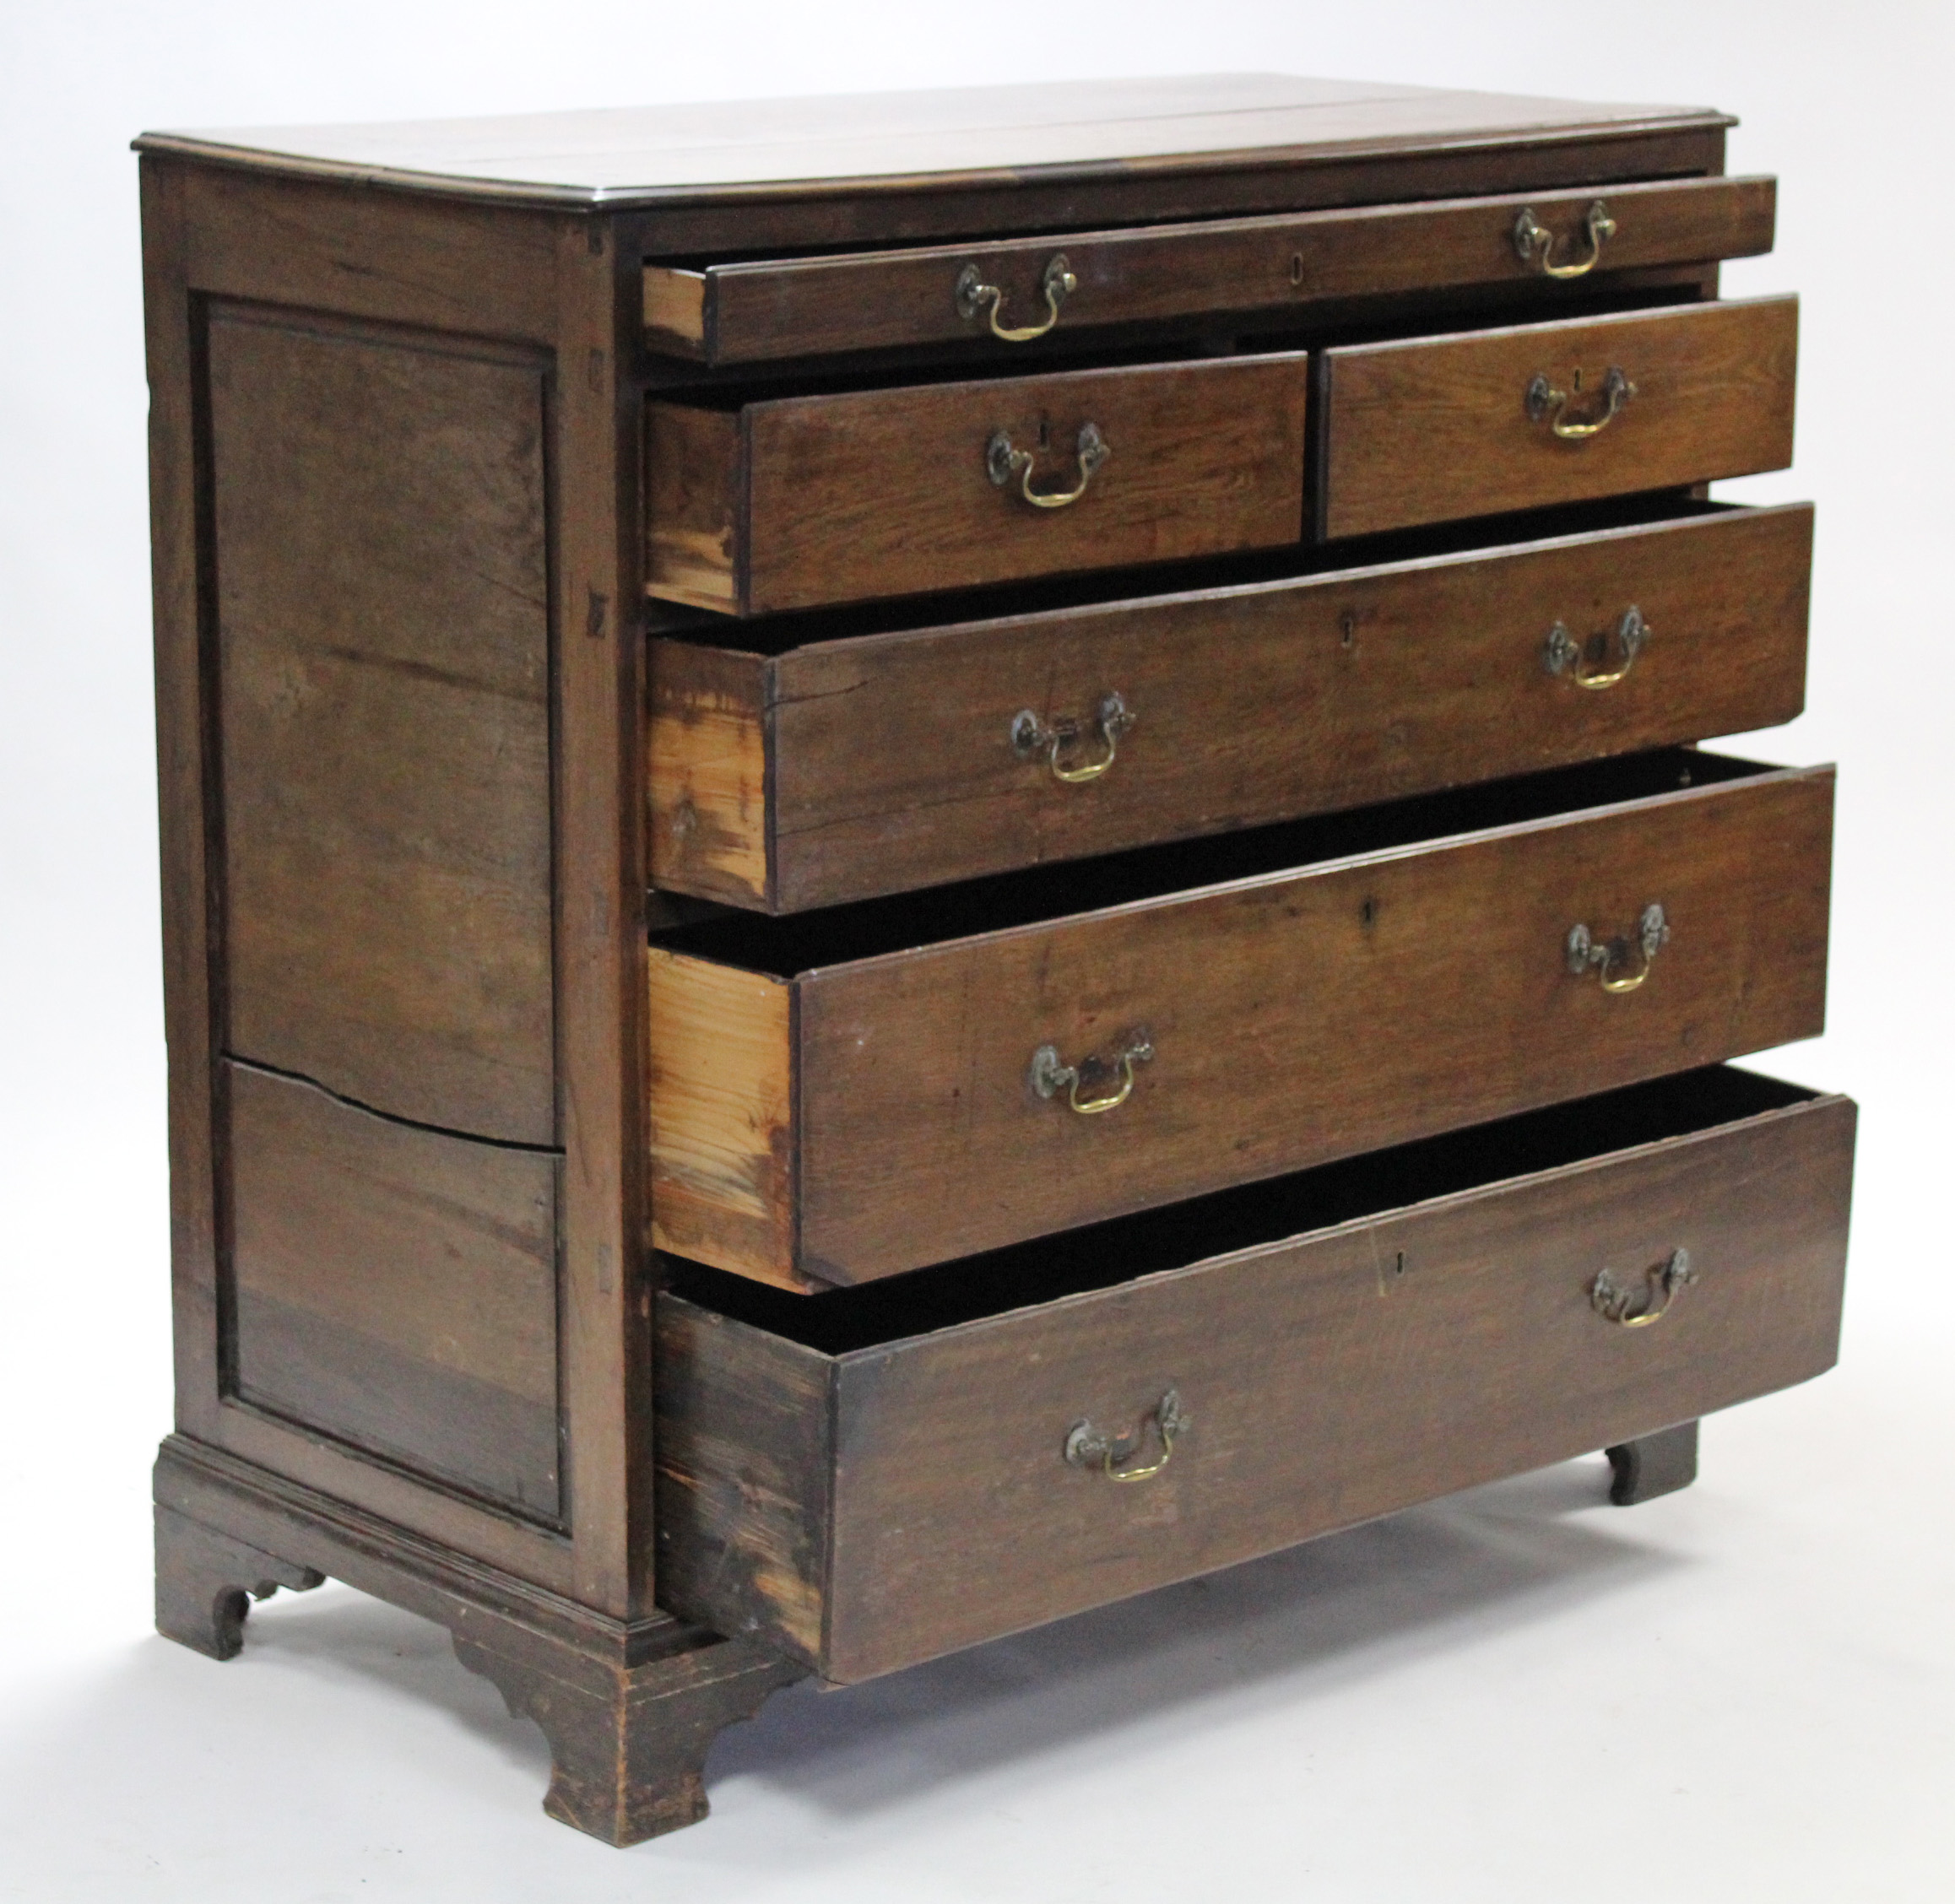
869,1478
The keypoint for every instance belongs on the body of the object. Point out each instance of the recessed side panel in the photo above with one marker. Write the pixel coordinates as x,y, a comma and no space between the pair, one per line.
379,521
394,1288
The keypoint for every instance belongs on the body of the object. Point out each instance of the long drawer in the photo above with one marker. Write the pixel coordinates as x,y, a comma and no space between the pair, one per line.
849,768
1432,430
1019,292
847,496
872,1478
829,1102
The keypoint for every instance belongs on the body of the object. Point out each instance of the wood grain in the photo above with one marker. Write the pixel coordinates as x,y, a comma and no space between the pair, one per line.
720,1090
869,493
706,749
1328,1378
695,503
905,141
744,1451
384,638
1305,1012
888,755
396,1288
759,310
1438,428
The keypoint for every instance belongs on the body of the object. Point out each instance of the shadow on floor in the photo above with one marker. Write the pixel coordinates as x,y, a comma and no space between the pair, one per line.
1363,1602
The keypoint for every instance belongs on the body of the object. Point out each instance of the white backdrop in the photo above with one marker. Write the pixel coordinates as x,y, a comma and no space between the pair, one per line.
1741,1690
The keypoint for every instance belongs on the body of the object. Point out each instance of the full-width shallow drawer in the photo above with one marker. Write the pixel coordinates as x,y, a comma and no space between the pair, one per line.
851,495
1020,291
871,1478
830,1102
849,768
1435,429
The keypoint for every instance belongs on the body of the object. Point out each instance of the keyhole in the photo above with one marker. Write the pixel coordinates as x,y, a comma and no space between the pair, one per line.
1399,1267
1578,377
1297,268
1367,913
1045,429
1348,622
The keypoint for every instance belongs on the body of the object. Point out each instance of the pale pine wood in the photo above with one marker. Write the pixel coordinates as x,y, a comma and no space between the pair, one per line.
706,772
675,304
721,1072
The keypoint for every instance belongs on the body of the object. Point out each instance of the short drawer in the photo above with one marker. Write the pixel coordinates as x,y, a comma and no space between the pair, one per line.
1026,291
845,1094
869,1478
850,768
1437,429
847,496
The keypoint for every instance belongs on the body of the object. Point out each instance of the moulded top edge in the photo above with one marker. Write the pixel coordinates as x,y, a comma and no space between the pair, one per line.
655,154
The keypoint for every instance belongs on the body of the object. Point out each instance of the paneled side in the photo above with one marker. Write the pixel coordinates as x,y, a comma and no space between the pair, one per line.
379,512
395,1288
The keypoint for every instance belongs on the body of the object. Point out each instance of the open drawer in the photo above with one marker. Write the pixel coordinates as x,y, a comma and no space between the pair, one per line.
1075,1043
870,1478
845,768
1436,428
1023,291
796,502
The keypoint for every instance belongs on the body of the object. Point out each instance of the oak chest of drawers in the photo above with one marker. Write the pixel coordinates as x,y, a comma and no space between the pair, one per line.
929,858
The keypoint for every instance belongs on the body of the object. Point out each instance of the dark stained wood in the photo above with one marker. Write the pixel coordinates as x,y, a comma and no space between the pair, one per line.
184,767
889,760
1439,428
598,574
763,309
907,212
206,1581
464,270
1328,1379
379,525
866,493
396,1288
1653,1464
745,1439
630,1707
1301,1013
904,141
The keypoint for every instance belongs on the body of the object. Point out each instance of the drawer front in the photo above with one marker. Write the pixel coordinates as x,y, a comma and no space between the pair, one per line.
860,767
876,1509
1443,428
993,294
808,501
1296,1018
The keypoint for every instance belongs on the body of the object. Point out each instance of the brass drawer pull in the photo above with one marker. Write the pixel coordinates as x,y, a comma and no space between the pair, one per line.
1088,1446
1002,462
1610,1300
1049,1076
1030,736
1564,655
973,294
1546,404
1535,243
1611,958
